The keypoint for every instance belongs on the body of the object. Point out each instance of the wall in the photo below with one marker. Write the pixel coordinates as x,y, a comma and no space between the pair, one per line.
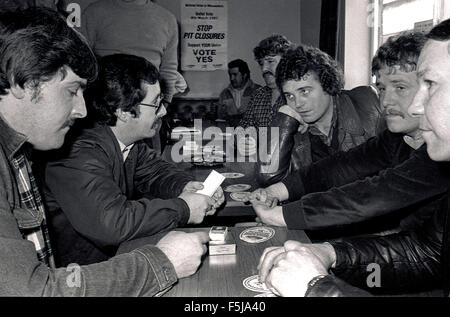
249,21
310,21
357,44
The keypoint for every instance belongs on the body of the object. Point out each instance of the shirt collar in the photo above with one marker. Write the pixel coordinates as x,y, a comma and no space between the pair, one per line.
326,138
415,143
125,149
10,139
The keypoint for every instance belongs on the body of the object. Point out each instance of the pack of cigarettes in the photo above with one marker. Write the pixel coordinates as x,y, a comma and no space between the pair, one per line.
221,247
218,233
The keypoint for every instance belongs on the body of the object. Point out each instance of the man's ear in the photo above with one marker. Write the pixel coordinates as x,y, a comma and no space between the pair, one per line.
122,115
17,91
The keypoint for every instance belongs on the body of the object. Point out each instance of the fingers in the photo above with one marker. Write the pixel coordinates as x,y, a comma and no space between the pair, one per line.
292,245
202,236
267,263
193,186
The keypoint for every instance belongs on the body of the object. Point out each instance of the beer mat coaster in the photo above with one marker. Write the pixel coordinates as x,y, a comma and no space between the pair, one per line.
252,283
237,188
240,196
266,294
233,175
257,234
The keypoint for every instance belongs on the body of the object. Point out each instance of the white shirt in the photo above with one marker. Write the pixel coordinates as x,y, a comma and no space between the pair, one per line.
125,149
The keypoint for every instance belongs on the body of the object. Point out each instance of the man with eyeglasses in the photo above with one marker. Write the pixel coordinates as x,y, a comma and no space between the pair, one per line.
108,187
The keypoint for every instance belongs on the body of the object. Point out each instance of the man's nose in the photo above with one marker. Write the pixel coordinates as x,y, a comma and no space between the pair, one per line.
387,99
417,106
79,110
162,112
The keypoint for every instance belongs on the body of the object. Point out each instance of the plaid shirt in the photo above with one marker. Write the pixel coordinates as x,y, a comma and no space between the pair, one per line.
31,199
260,110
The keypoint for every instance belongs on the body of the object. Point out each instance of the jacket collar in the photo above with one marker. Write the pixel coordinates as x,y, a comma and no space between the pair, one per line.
10,140
348,119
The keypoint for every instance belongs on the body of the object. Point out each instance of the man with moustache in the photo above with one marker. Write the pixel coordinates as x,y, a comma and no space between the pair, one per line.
108,186
44,67
390,175
266,101
408,261
320,118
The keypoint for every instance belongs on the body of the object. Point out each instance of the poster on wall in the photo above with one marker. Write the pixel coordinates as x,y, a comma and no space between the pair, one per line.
204,35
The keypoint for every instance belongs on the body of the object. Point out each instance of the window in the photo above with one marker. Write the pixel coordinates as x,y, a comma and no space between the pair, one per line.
395,16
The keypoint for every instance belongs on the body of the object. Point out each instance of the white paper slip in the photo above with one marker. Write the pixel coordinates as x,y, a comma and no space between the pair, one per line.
211,183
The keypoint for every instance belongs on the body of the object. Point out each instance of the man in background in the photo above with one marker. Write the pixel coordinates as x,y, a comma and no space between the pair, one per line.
266,100
234,99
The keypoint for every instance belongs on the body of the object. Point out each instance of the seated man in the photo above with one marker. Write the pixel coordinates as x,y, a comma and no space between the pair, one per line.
266,100
45,65
405,262
335,119
389,174
234,99
110,187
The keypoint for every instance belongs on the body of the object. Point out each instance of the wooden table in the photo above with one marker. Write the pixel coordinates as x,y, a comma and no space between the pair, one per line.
222,275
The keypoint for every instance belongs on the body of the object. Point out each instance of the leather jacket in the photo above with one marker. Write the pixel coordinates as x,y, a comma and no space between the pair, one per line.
358,119
410,261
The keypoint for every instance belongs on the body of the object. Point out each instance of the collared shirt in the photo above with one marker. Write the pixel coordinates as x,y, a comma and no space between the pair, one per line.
31,198
326,139
415,143
125,149
260,111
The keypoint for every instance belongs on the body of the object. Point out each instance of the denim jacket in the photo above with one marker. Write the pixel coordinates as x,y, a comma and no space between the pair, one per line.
145,271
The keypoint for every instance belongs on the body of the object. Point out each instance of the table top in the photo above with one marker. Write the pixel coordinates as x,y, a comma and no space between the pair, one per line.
222,275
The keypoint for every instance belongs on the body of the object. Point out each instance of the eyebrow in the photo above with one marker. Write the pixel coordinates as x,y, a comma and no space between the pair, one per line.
80,83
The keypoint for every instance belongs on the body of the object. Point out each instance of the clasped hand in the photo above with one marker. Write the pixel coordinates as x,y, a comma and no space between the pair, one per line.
287,270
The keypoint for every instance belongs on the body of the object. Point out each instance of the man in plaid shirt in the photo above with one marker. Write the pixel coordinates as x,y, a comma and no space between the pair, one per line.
266,100
44,67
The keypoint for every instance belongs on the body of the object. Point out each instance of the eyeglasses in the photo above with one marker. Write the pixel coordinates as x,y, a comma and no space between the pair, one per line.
158,105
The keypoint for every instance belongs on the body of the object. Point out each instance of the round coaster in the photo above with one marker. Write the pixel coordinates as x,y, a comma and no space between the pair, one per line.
233,175
257,234
240,196
237,188
252,283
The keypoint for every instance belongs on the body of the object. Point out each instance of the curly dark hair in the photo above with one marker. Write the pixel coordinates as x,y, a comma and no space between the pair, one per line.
401,50
119,86
273,45
37,43
301,60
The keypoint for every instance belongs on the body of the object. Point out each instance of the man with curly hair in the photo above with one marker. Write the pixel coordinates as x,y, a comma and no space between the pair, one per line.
386,182
320,118
266,101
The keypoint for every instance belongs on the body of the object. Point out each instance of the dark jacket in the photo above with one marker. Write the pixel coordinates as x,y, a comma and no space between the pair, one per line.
145,271
227,107
409,261
380,177
96,201
359,118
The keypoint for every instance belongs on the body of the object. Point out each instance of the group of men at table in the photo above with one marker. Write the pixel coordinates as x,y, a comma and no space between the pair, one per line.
336,166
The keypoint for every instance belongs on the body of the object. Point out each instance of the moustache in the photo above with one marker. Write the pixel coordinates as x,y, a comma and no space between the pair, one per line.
268,73
393,112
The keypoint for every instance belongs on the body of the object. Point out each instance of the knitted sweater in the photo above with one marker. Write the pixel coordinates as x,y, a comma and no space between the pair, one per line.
148,30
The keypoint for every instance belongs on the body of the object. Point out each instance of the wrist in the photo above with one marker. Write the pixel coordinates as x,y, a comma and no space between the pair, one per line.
314,281
331,255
